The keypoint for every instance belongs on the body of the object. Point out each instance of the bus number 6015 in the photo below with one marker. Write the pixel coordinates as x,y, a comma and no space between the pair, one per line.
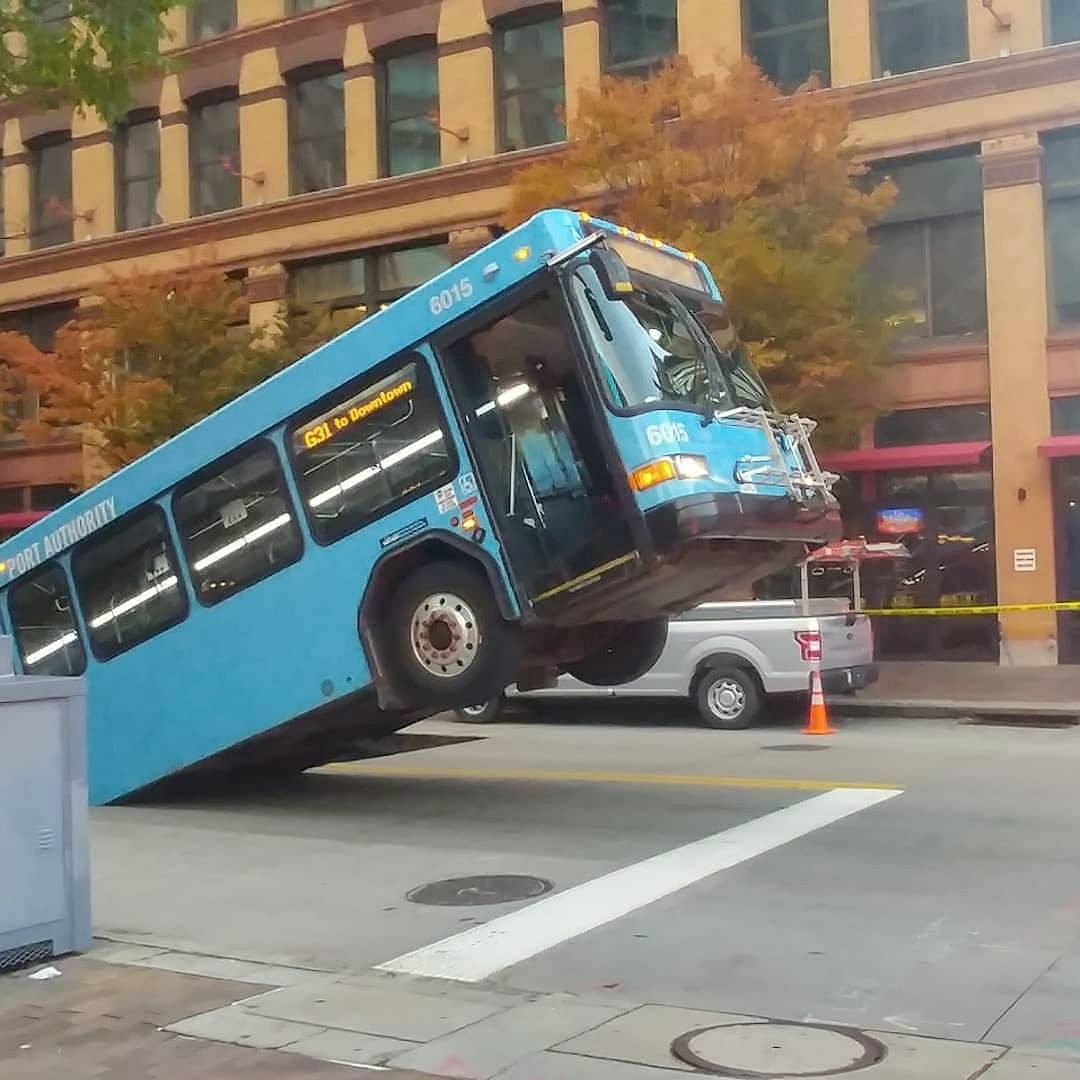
443,301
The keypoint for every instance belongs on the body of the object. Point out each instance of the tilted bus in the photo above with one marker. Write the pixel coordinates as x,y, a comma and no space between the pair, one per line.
521,468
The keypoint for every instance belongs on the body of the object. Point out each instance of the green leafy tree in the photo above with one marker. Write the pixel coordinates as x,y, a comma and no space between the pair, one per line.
83,53
765,188
158,353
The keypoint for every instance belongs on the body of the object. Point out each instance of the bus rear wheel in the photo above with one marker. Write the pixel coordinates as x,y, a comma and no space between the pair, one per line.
449,643
629,654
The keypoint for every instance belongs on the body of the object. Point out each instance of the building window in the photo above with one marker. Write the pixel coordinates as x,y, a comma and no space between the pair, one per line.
215,154
1062,184
639,36
929,248
409,109
298,6
138,172
790,40
128,584
912,35
238,525
44,623
531,83
317,131
50,179
39,325
1064,21
352,287
920,427
371,449
3,219
210,18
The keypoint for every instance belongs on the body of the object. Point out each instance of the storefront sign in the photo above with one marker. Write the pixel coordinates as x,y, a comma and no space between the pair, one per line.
1025,561
900,521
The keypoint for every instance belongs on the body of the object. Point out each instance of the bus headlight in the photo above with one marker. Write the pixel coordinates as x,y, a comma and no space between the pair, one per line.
680,467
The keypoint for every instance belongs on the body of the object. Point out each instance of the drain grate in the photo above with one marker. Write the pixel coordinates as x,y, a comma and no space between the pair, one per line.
797,746
1036,720
777,1050
22,955
479,889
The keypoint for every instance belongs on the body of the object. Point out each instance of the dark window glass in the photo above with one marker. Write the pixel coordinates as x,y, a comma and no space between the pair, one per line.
215,156
1064,21
317,132
238,526
1065,415
50,496
397,272
138,173
296,6
1062,180
930,249
949,423
371,450
409,87
531,84
44,624
640,36
211,18
790,40
3,219
11,498
50,177
913,35
40,326
128,583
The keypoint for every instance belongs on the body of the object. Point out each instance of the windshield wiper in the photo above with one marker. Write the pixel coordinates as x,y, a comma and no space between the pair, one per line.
598,314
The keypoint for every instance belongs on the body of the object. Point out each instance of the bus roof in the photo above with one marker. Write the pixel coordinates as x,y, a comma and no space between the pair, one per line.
498,266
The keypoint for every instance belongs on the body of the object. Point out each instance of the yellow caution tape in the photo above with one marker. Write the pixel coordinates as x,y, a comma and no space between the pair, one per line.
979,609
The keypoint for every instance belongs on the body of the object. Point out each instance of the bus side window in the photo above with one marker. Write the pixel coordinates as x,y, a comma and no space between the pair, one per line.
237,526
128,583
370,451
44,624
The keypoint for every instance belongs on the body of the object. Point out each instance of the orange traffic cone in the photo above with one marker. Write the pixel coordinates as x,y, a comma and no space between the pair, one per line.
818,723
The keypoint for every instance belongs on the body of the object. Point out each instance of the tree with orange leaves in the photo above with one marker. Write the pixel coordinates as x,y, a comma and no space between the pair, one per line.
158,353
765,188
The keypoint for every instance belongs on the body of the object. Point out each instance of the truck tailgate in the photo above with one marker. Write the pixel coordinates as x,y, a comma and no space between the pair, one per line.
846,642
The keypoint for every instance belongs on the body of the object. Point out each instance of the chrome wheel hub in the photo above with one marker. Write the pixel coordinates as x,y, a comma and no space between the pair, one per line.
726,699
445,635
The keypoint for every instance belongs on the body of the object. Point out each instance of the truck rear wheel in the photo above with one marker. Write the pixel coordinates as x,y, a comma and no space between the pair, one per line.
628,655
449,645
728,698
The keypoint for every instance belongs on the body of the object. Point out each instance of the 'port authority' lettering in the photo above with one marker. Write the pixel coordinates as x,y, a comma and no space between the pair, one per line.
60,538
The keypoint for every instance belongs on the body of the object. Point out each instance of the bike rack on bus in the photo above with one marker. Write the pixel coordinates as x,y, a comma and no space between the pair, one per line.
773,468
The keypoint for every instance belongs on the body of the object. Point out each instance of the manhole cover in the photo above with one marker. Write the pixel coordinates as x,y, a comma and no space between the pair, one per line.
480,889
806,747
762,1050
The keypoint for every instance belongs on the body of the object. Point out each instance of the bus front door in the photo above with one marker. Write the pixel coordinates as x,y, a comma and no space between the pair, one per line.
540,458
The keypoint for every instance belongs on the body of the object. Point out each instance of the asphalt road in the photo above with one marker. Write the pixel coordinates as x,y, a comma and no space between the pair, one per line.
904,875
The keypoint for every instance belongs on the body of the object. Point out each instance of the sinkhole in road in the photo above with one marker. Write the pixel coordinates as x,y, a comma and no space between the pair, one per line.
479,889
770,1050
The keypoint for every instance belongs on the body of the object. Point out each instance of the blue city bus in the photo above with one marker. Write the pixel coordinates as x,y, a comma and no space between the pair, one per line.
519,469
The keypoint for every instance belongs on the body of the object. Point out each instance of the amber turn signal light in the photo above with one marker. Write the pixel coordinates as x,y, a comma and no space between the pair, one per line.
655,472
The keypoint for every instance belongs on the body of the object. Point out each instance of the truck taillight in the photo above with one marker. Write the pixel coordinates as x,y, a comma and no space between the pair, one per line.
809,642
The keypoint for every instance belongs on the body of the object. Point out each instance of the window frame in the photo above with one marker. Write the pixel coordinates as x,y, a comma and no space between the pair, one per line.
401,50
1051,36
103,536
215,468
194,38
878,68
135,118
37,147
195,107
1053,198
295,78
749,38
294,7
80,631
624,69
427,381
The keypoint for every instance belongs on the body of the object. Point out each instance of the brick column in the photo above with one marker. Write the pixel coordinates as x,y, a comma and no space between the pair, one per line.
361,113
175,165
16,217
93,176
265,288
1016,294
466,81
581,50
710,33
850,42
264,129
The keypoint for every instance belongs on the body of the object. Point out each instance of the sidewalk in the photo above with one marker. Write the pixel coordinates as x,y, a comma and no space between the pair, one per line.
958,689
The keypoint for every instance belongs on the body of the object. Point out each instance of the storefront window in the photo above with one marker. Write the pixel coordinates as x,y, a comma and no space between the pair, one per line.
945,424
1062,185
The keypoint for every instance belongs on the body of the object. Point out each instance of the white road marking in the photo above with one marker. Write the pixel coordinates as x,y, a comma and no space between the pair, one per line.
480,952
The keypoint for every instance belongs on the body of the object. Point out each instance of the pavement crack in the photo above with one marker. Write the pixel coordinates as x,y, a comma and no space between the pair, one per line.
1019,997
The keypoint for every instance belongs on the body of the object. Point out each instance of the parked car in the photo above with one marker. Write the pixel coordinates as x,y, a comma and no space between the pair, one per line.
732,659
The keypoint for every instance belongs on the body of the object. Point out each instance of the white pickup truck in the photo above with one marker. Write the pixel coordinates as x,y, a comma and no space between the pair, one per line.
730,659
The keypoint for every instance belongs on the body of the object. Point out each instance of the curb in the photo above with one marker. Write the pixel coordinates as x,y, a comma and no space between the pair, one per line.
945,709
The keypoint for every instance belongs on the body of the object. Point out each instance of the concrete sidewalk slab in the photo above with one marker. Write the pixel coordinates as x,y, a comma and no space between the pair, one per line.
1015,1066
242,1028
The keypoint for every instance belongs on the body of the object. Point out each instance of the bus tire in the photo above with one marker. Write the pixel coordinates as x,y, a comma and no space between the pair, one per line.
631,653
487,713
449,644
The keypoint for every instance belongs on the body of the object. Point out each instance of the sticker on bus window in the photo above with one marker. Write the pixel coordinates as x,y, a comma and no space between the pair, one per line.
446,499
414,527
233,513
468,484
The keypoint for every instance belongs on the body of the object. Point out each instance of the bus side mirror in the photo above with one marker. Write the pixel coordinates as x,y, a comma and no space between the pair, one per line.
612,272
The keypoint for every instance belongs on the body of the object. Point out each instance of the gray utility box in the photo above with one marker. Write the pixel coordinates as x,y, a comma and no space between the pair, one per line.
44,843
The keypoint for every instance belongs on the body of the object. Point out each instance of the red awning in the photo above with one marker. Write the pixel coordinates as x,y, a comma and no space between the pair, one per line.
20,519
898,458
1059,446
